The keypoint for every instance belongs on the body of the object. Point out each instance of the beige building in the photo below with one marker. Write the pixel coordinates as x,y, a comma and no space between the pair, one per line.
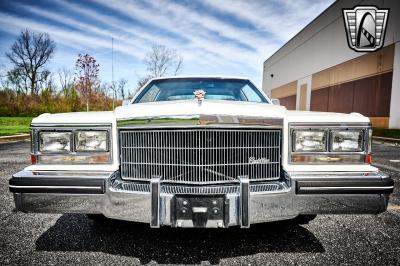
317,71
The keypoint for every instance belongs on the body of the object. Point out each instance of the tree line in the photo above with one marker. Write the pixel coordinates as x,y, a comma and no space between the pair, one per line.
29,88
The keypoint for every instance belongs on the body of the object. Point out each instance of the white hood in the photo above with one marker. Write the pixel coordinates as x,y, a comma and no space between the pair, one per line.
191,107
231,108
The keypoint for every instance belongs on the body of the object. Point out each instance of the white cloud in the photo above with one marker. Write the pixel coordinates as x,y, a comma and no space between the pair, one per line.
123,43
208,42
69,38
283,18
201,49
140,36
118,25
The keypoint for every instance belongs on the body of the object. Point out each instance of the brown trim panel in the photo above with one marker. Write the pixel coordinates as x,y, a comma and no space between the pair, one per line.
289,102
369,96
360,67
286,90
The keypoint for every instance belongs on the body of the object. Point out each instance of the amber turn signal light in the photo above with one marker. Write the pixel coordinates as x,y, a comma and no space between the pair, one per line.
33,159
369,158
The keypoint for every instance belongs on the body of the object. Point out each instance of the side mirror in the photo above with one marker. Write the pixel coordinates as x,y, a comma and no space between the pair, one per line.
126,102
276,101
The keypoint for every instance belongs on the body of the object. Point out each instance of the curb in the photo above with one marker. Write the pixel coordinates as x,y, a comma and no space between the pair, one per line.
4,139
392,140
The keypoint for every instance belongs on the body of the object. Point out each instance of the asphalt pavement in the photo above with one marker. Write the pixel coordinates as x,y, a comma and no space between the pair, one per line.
36,239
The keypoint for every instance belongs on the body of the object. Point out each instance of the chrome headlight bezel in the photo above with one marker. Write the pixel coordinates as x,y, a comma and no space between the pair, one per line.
73,155
330,156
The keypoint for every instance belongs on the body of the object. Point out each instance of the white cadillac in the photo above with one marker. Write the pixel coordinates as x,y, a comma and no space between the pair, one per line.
201,152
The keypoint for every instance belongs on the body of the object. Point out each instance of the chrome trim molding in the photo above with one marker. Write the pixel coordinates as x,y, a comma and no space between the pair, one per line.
35,130
338,175
221,189
58,182
337,190
56,187
155,201
200,155
60,175
66,125
356,183
244,202
331,125
200,120
328,153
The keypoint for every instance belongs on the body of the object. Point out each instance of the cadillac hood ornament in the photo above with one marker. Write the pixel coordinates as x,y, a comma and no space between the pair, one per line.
199,94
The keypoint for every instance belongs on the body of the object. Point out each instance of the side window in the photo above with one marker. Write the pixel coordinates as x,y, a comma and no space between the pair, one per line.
150,95
250,94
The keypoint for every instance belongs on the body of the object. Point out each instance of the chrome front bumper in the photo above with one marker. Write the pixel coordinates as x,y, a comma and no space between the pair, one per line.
245,203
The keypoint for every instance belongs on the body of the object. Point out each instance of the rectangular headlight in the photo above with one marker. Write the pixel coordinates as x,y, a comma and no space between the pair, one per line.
309,140
349,140
55,142
92,140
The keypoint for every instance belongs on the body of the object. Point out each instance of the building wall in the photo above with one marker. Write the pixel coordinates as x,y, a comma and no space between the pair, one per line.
336,77
394,120
303,93
286,94
363,85
369,96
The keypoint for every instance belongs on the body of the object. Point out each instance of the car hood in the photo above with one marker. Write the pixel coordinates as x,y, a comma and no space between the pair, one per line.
193,108
75,118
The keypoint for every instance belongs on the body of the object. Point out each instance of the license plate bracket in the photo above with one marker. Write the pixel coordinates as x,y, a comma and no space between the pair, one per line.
199,211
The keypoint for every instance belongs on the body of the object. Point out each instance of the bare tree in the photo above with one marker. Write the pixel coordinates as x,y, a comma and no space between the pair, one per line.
46,82
16,81
161,61
65,78
141,82
121,88
29,54
86,76
104,88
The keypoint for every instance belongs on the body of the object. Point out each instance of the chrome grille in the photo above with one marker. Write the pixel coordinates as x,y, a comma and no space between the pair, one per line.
207,155
129,186
219,189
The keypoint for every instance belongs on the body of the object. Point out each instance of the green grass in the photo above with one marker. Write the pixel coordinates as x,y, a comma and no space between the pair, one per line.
14,125
386,133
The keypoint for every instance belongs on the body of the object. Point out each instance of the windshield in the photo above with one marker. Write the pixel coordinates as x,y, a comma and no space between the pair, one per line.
215,89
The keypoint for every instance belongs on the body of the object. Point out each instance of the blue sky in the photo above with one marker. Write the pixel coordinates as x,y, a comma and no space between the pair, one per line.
223,37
